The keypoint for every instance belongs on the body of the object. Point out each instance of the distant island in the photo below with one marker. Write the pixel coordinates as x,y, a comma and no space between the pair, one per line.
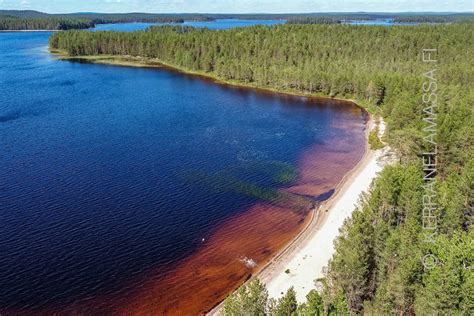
343,146
34,20
24,20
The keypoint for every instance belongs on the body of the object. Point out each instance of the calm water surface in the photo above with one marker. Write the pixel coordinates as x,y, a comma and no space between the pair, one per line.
213,25
108,173
379,22
231,23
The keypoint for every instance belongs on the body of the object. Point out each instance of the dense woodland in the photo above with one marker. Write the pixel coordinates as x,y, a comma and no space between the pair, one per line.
33,20
15,23
377,267
450,18
415,19
314,20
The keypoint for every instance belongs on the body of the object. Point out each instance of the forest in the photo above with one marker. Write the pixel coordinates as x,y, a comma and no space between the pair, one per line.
314,20
33,20
378,266
407,18
15,23
433,18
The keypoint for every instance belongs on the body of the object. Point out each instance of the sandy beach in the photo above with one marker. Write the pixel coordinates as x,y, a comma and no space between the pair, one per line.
304,259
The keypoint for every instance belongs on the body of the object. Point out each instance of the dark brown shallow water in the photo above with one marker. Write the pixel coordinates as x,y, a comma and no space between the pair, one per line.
205,279
138,191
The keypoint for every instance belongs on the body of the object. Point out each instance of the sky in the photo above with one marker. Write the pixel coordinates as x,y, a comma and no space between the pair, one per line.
238,6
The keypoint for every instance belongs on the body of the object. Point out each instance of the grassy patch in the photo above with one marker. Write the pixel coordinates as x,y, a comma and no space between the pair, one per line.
374,140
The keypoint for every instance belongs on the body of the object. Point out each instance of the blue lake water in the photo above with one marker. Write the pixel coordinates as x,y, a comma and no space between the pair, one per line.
229,23
213,25
107,172
379,22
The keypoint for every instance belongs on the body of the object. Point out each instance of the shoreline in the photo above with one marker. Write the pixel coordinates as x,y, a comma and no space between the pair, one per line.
15,31
295,256
142,62
305,258
273,273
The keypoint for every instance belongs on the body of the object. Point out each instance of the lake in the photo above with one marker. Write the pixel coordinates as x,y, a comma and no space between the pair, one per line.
135,190
213,25
378,22
230,23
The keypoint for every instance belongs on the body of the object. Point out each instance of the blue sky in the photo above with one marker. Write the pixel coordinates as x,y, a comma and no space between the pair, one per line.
237,6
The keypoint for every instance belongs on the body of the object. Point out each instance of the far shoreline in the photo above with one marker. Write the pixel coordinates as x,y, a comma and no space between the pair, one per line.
26,31
318,217
142,62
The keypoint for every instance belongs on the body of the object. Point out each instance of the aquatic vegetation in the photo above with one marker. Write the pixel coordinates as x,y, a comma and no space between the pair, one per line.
229,180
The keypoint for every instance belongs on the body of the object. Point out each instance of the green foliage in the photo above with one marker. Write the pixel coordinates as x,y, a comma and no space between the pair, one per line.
247,300
374,140
314,305
33,20
314,20
448,288
14,23
432,18
376,268
286,305
376,260
377,65
375,92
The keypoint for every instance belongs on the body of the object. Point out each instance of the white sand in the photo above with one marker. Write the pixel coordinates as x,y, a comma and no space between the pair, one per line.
305,262
307,255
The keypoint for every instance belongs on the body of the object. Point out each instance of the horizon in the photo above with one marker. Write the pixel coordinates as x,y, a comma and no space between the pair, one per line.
244,157
247,13
239,6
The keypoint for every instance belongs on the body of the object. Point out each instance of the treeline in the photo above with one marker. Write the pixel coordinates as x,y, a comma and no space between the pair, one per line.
253,300
377,267
211,16
434,18
86,20
415,19
15,23
110,17
33,20
336,18
367,16
314,20
103,18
